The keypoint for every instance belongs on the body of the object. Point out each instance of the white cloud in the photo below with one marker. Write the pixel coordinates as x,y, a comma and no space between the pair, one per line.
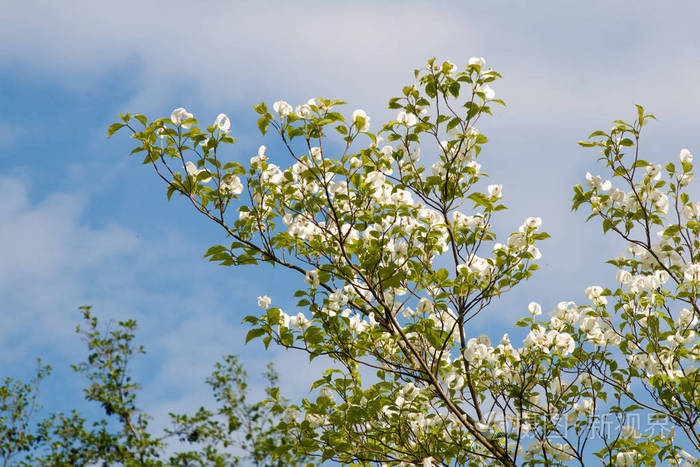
43,241
567,69
557,58
52,261
46,253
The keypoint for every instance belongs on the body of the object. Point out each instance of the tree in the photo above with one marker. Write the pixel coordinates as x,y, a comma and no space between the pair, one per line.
395,273
237,432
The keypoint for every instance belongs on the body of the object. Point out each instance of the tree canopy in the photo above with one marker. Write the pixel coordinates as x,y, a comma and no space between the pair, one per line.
391,236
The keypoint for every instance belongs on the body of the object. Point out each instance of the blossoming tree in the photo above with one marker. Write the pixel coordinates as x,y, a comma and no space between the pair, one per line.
397,259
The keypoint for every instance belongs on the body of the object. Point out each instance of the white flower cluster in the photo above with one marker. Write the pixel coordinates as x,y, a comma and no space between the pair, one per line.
192,170
558,451
558,342
179,115
300,321
371,230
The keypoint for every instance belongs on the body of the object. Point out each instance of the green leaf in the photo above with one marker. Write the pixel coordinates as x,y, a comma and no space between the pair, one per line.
113,128
215,250
672,230
263,123
254,333
273,316
453,123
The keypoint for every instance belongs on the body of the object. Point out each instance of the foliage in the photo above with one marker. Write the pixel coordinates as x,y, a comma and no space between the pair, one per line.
237,432
18,403
397,259
395,272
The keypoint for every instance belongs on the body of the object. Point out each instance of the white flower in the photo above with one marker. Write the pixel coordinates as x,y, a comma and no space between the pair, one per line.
681,340
316,421
408,119
303,111
660,201
685,179
291,415
424,306
284,319
654,172
495,191
566,311
478,61
480,265
483,427
565,343
691,272
662,276
597,183
355,163
449,66
223,122
361,115
556,324
179,115
534,308
686,318
261,157
531,223
300,321
316,153
488,92
534,251
597,336
517,240
499,246
387,150
593,293
312,278
617,196
478,350
624,458
589,323
630,433
453,131
326,392
623,277
231,185
376,179
685,156
282,108
264,302
536,338
691,211
584,407
194,171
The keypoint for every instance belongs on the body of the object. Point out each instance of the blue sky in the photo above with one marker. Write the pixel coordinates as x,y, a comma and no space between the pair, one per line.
83,223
